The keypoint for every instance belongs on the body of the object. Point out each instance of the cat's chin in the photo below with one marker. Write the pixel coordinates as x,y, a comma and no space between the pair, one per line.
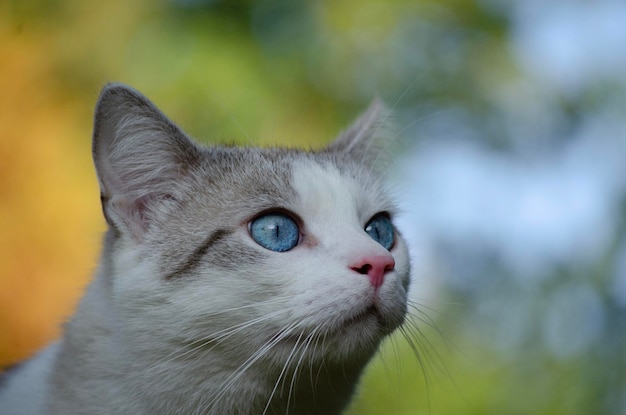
368,323
359,334
356,334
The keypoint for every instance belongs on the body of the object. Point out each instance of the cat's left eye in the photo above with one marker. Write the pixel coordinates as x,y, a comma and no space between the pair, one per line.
380,229
275,231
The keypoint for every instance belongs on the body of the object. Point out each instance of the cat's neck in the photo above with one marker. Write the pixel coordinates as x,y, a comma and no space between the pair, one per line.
208,381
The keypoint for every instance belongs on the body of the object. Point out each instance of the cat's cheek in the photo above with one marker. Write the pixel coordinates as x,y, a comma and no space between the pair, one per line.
403,266
393,304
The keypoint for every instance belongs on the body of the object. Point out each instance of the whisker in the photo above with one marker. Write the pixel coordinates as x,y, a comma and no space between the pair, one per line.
282,372
421,345
257,304
322,363
423,317
405,91
250,361
201,342
234,119
304,348
216,337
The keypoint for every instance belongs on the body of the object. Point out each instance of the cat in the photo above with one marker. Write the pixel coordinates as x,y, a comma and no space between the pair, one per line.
233,280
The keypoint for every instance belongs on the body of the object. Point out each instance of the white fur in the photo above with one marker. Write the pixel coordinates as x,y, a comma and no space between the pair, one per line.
330,205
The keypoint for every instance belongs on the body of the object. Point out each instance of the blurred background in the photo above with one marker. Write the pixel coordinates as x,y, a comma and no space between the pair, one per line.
511,119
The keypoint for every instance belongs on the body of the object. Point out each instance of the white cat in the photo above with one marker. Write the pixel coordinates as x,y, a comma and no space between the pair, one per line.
232,280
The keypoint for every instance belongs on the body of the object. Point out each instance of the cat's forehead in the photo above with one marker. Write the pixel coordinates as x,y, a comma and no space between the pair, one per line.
260,179
344,191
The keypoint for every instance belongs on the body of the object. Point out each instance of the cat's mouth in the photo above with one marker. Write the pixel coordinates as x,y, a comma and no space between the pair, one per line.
371,321
371,313
368,317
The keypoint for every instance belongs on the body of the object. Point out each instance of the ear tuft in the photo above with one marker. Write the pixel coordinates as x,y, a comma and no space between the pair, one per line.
140,157
365,138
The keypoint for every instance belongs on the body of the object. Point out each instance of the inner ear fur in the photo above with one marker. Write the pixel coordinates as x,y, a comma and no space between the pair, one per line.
140,157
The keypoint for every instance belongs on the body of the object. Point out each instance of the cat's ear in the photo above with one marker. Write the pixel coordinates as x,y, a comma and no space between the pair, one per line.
140,157
365,139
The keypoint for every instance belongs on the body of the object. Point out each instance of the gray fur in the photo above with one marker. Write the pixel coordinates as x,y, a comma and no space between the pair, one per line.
187,314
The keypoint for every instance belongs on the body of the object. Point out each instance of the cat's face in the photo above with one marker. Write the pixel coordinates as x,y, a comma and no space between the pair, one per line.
261,255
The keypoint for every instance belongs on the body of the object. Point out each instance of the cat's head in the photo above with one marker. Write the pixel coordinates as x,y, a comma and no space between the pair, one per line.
252,253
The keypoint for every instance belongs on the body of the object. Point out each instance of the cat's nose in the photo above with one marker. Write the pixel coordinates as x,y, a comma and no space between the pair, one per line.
375,267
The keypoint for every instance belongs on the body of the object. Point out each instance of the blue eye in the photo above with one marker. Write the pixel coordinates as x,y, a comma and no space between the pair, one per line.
381,230
275,231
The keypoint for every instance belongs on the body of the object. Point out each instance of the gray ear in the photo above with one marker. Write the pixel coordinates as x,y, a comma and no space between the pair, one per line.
363,140
140,157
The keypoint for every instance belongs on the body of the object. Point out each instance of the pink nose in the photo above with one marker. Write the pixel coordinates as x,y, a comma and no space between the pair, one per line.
375,267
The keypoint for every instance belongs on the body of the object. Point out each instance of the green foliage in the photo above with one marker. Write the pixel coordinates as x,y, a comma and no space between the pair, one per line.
294,73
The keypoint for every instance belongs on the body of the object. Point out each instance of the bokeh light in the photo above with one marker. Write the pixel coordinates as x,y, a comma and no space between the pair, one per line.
511,125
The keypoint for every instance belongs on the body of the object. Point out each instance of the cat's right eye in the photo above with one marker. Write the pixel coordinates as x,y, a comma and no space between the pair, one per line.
275,231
